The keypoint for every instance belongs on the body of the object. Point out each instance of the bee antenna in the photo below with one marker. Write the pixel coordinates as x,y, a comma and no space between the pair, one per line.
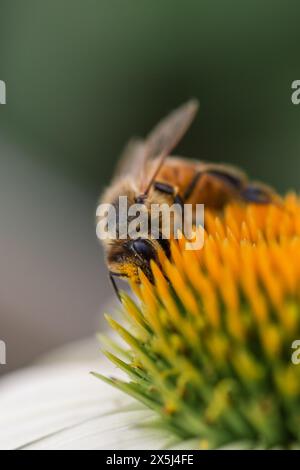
167,134
160,163
115,287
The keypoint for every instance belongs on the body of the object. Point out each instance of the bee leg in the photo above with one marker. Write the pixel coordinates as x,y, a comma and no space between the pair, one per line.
168,189
115,287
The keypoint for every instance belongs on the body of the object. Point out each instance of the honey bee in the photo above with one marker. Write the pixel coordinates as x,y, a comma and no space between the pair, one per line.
147,174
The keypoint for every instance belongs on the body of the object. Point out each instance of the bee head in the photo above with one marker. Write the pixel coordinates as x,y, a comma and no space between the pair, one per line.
125,259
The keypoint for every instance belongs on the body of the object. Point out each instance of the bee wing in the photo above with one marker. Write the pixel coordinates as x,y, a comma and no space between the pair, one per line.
132,160
157,146
165,136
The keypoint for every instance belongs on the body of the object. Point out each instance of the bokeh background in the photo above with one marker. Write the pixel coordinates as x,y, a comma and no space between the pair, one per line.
84,76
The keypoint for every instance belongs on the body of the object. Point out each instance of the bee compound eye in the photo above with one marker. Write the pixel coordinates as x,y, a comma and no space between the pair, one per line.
143,248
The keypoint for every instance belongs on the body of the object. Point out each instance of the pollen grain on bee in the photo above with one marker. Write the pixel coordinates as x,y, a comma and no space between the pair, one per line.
121,221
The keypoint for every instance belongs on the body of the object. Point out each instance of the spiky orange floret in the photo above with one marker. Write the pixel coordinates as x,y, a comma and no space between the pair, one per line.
251,254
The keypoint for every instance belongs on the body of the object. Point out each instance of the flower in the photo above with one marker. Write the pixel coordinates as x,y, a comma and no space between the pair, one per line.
208,347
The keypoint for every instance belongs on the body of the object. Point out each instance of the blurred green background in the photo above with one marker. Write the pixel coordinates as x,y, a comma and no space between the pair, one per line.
84,76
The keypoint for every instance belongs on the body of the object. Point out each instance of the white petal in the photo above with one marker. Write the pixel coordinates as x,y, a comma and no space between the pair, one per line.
57,404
